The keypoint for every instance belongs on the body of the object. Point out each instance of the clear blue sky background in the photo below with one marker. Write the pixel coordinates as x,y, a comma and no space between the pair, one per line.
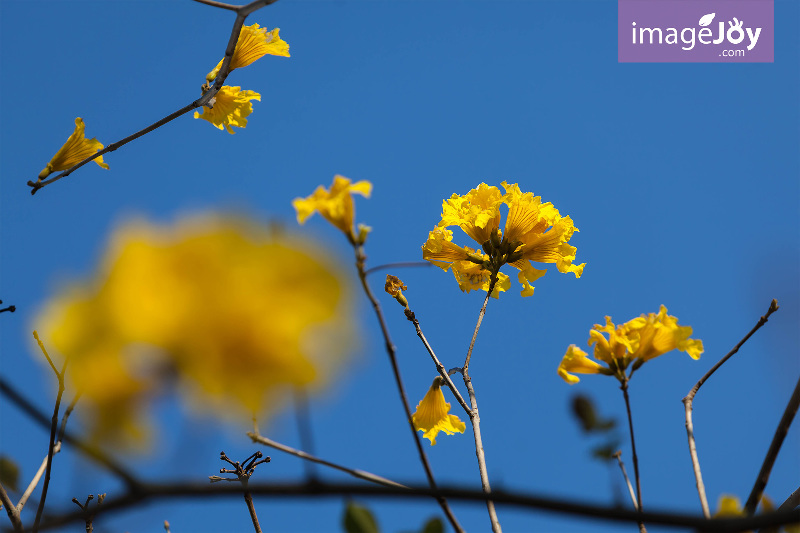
683,179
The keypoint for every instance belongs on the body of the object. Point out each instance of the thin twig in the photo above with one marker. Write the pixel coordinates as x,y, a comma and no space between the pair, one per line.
316,489
624,387
11,509
492,282
475,418
94,453
689,399
402,264
618,455
360,474
36,478
248,498
791,502
53,427
304,428
439,366
220,5
390,350
772,453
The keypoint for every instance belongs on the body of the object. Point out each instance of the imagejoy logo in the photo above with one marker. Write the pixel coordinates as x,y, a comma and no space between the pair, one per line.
657,31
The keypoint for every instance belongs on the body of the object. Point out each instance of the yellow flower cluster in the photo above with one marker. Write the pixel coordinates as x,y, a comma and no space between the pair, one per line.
237,315
231,105
636,341
534,232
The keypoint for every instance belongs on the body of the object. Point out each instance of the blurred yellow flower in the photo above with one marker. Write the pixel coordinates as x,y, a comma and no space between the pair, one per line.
534,232
335,205
432,416
231,108
76,149
729,505
254,42
636,341
240,316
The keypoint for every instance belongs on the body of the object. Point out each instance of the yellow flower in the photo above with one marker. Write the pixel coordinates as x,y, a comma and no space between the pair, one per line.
575,360
76,149
231,108
335,205
729,505
431,415
636,341
534,232
238,315
254,42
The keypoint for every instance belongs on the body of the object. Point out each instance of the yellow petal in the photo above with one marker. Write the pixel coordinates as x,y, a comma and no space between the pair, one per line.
76,149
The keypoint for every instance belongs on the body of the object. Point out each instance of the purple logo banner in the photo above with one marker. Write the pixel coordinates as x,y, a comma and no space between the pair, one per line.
696,31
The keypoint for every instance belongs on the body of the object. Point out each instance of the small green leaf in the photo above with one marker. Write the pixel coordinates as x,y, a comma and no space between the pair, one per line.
9,473
434,525
358,519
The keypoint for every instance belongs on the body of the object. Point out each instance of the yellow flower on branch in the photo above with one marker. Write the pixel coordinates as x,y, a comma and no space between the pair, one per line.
636,341
432,416
231,108
335,205
534,232
76,149
254,42
238,315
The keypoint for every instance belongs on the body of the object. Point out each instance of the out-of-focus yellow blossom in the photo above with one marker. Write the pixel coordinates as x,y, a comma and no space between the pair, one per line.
76,149
534,232
335,205
432,416
232,106
636,341
239,315
729,505
254,42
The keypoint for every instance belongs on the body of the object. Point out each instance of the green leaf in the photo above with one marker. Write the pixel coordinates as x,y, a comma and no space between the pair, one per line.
359,519
9,473
434,525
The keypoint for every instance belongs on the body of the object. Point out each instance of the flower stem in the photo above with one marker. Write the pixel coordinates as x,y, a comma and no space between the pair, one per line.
474,416
475,419
361,259
624,388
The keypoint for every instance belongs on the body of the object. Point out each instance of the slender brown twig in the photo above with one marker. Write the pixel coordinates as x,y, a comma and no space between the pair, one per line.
94,453
53,427
243,473
403,264
360,474
624,387
791,502
317,489
361,259
618,456
88,512
774,447
11,509
439,366
689,399
475,418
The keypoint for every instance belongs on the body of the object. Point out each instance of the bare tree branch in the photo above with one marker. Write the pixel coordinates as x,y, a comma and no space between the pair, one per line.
689,398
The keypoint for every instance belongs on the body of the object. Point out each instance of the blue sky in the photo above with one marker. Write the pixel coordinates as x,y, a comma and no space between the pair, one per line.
682,178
